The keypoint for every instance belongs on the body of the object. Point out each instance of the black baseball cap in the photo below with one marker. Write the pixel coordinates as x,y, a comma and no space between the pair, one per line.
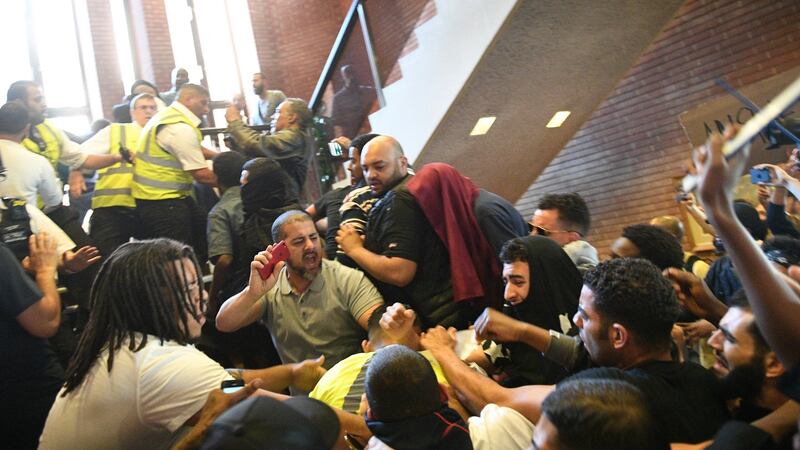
266,423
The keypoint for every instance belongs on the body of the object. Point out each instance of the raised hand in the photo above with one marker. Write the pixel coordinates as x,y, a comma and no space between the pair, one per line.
694,295
348,238
438,339
259,286
494,325
83,258
306,374
232,113
719,176
42,254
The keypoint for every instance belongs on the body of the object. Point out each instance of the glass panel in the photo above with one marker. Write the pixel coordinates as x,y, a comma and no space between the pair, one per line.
57,46
16,63
229,53
245,43
123,43
89,65
218,56
350,95
226,42
179,18
77,125
347,100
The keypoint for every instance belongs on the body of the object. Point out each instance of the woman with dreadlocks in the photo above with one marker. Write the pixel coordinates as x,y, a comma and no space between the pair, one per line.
135,380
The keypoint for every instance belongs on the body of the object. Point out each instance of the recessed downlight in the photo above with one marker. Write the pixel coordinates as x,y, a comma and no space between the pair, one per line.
482,126
558,119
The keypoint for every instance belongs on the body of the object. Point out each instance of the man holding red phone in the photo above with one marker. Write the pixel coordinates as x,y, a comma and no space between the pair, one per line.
311,306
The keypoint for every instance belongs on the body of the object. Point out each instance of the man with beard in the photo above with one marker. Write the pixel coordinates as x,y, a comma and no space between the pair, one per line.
625,316
311,306
180,76
401,252
747,366
268,100
328,206
45,139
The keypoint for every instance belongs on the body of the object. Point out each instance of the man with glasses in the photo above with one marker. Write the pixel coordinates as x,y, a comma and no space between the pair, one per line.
565,219
114,219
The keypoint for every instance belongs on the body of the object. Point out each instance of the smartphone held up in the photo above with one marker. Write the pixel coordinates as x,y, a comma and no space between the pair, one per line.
280,252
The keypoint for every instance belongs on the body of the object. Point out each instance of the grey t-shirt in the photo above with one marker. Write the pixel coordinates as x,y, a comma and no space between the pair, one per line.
225,224
322,320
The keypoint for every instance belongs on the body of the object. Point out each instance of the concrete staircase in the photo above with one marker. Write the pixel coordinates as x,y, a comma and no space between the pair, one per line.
450,46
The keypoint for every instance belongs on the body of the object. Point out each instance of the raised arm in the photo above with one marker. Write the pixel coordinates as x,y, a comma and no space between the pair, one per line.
42,318
474,390
494,325
774,304
245,307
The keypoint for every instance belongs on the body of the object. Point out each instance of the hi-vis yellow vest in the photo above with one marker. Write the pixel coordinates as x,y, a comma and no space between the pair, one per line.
51,149
158,175
113,186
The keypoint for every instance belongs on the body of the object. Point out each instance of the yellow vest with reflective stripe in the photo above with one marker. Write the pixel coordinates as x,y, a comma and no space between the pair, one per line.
113,187
157,174
50,142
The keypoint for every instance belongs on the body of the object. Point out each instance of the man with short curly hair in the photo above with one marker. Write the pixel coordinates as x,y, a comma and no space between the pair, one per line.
625,314
650,242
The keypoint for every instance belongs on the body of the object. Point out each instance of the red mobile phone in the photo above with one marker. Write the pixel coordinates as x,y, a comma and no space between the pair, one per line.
280,252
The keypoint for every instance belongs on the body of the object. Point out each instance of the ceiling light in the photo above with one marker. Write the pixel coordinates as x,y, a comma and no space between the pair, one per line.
558,119
482,126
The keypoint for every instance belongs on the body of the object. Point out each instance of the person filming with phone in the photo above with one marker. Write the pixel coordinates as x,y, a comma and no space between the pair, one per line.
780,182
311,306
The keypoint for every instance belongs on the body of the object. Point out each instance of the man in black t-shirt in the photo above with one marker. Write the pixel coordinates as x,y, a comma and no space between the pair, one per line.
30,376
328,206
625,316
401,252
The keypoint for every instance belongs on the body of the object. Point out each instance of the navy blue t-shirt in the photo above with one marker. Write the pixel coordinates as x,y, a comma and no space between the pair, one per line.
22,356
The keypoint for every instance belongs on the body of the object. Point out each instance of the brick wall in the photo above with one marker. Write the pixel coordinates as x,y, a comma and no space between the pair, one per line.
293,39
624,158
153,55
293,62
105,54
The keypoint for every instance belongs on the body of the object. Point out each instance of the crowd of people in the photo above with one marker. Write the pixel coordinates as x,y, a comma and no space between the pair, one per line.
410,309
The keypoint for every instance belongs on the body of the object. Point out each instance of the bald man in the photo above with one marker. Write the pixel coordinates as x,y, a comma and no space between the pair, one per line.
169,158
401,252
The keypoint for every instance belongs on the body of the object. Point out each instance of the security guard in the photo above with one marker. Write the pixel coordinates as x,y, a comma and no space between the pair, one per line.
114,219
169,158
49,141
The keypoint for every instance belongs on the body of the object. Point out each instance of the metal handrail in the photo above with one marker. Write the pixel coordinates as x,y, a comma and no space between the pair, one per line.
355,12
333,56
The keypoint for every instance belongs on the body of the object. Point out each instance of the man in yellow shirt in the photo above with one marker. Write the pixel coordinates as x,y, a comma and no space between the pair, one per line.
343,384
